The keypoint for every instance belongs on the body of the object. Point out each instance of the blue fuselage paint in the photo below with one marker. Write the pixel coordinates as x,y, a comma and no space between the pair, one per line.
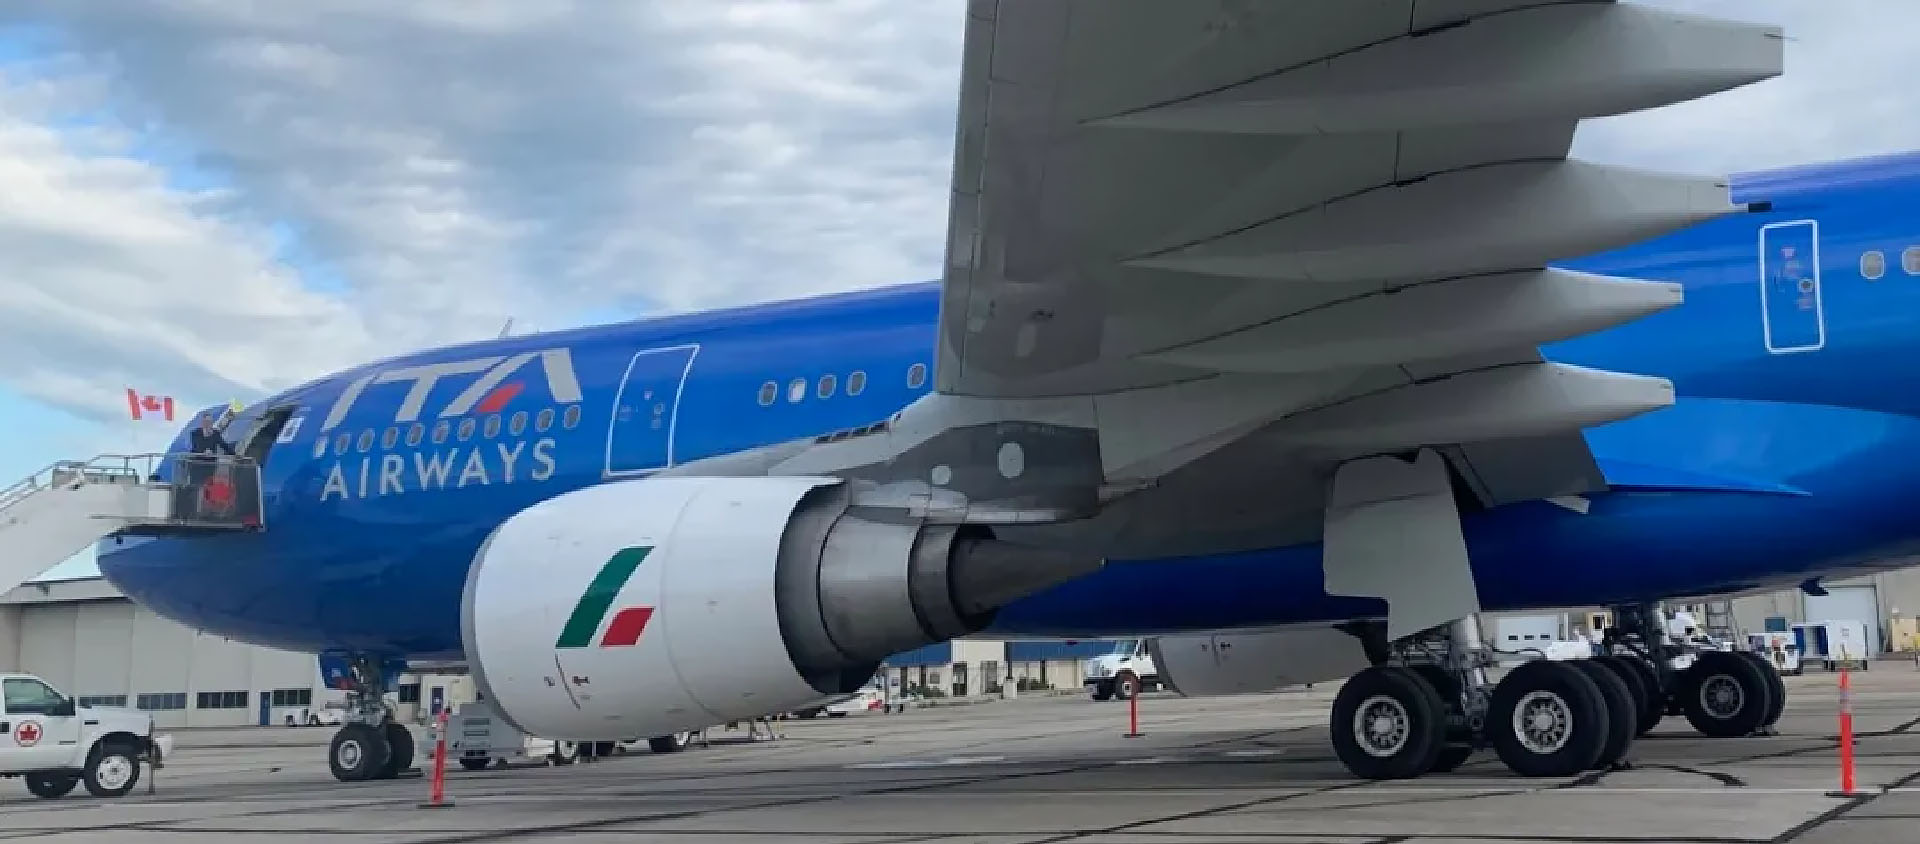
1773,466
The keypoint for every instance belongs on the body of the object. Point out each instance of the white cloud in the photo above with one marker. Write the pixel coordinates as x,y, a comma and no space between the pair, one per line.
391,175
1845,93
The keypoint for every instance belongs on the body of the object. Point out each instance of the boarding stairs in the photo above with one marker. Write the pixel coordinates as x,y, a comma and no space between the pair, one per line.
57,512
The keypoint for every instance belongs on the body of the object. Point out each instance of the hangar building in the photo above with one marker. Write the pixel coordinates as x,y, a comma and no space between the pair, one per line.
90,641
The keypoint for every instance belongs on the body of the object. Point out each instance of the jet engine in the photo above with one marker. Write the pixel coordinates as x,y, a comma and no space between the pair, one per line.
652,606
1240,662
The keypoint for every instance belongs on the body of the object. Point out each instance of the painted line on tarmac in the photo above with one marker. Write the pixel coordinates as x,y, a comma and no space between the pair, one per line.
929,763
1491,789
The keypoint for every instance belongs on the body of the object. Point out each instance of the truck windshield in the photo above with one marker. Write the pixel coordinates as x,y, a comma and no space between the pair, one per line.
29,697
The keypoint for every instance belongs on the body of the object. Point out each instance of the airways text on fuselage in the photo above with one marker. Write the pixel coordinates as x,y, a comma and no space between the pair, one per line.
481,464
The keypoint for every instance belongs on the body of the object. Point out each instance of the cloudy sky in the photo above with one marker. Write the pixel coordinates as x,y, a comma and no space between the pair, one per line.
217,198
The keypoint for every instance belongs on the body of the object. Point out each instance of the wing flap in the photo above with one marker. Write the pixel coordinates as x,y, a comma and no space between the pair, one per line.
1178,224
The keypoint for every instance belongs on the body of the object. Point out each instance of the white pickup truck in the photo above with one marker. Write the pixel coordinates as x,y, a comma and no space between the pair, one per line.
1122,672
56,744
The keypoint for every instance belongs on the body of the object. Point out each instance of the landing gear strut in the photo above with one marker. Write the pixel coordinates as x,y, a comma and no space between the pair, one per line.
1426,705
371,745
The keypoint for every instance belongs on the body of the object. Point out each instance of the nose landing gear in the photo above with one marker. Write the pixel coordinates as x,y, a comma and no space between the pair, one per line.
370,745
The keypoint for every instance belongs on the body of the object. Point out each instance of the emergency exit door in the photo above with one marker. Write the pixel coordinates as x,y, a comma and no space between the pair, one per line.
647,409
1793,316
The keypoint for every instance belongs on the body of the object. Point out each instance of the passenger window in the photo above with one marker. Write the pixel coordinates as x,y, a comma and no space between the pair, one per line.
390,439
343,443
827,383
768,393
519,424
319,448
1873,265
440,431
29,697
466,428
366,439
916,376
856,383
543,421
415,433
796,390
572,417
493,425
1910,260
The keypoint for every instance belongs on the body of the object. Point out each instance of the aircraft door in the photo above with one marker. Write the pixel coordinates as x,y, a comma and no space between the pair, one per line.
1793,316
645,410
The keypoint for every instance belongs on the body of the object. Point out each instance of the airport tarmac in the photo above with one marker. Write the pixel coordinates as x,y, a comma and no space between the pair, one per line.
1044,769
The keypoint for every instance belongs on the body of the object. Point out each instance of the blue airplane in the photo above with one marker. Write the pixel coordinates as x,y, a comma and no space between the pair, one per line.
1150,396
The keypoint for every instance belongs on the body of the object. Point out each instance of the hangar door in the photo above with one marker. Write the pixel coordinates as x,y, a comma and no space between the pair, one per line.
1848,603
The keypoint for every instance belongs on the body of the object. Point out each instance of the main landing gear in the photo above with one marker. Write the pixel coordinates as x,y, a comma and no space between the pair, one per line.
1722,694
370,745
1426,705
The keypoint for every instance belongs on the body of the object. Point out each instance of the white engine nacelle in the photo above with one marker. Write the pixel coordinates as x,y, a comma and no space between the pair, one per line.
648,607
1203,665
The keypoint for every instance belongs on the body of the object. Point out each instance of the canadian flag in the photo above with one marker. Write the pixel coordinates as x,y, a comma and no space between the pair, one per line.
141,404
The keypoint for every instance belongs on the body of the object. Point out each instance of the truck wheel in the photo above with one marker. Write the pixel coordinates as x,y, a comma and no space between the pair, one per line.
112,770
51,785
358,752
670,744
1125,685
564,753
1102,691
475,764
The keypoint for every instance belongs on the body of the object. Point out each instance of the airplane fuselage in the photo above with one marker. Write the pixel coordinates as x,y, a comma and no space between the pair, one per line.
1787,455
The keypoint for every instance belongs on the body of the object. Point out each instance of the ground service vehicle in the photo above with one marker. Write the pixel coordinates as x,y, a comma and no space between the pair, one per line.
1121,673
55,744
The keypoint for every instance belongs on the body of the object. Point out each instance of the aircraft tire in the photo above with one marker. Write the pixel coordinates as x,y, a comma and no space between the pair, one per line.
1547,719
399,751
1459,742
670,744
1657,693
1725,695
1623,712
1388,723
1779,701
358,752
1452,756
563,753
1646,703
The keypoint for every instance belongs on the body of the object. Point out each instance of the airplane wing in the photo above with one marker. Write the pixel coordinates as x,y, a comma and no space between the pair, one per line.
1328,219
